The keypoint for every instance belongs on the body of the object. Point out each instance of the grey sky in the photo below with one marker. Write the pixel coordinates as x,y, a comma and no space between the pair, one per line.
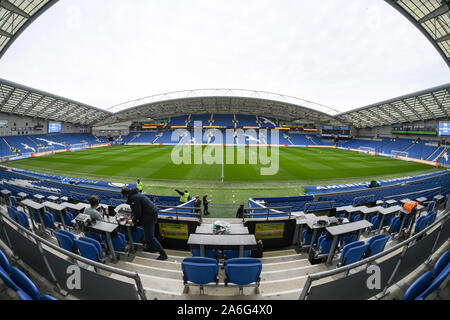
340,53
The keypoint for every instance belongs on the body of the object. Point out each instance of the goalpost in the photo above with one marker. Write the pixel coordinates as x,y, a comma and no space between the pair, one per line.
49,149
78,146
369,150
399,153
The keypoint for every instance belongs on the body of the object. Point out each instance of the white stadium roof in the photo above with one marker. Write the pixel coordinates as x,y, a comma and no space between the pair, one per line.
16,16
24,101
431,17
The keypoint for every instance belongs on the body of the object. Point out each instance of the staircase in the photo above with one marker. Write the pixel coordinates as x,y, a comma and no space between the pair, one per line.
39,145
409,147
10,147
441,154
431,155
311,139
157,137
135,137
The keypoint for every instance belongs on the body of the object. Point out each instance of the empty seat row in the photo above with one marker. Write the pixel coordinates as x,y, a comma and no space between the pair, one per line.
18,281
203,270
430,281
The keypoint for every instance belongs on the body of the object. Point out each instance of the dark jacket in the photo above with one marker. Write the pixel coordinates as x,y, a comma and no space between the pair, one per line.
142,209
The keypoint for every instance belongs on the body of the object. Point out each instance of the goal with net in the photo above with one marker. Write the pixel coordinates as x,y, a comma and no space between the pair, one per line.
399,153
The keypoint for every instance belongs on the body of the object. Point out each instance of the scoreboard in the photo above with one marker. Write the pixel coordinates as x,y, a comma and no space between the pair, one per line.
444,128
54,127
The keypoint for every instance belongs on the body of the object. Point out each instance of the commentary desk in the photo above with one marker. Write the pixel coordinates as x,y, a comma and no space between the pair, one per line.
218,241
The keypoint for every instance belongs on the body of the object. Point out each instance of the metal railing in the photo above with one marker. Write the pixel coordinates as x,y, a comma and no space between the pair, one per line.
266,212
39,241
314,277
166,210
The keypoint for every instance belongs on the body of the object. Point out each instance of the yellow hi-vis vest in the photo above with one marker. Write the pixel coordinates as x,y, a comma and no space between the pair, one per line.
184,198
140,186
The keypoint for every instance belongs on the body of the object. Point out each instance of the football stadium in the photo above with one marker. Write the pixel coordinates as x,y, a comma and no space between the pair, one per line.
252,195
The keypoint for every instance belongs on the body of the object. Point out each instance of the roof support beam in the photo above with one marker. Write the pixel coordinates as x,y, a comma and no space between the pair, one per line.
11,7
412,110
444,38
424,105
25,97
3,33
436,13
439,104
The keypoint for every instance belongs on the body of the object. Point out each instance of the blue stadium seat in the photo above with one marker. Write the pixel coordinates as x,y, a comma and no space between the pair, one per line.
352,253
90,249
119,242
375,221
208,253
395,225
138,235
324,245
13,202
243,271
355,217
430,280
22,219
349,239
49,220
231,254
376,244
430,217
306,238
421,224
65,241
27,289
94,236
200,271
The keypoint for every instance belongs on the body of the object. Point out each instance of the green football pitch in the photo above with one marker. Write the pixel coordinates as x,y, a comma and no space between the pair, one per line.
298,167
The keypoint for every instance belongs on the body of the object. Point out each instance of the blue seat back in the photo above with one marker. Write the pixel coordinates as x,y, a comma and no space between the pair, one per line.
376,246
48,221
436,283
395,225
354,254
200,270
13,202
88,250
208,253
138,235
4,263
94,242
94,236
356,217
243,271
421,224
348,247
24,283
23,219
231,254
418,286
6,278
324,245
68,217
306,237
430,218
375,223
64,241
118,242
441,263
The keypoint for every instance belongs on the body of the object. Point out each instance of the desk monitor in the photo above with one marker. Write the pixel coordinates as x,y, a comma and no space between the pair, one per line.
328,212
111,211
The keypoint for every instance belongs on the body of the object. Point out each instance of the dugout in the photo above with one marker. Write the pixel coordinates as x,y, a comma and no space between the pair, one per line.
174,226
274,228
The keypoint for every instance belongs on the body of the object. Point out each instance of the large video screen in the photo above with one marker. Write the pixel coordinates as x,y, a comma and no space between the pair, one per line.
444,128
54,127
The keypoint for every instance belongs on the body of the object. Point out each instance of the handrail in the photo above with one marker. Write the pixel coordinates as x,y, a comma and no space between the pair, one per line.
128,274
318,195
324,274
414,192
